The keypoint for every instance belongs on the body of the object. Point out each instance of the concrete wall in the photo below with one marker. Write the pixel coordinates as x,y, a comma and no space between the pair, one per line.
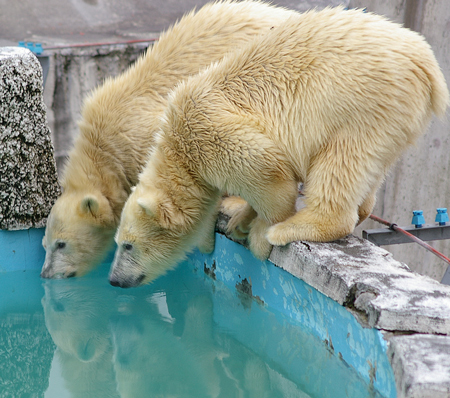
421,179
73,73
410,310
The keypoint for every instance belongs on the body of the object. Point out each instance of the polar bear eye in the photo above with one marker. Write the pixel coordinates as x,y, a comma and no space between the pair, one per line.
127,246
61,245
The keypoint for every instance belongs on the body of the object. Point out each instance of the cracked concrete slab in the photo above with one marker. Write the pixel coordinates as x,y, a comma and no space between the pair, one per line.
28,180
367,278
421,365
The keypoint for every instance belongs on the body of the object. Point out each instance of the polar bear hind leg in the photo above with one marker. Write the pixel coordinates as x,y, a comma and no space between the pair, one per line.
339,193
241,213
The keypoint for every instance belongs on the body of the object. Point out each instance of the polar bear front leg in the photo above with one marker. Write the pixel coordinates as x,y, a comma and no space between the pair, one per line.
207,236
259,245
274,202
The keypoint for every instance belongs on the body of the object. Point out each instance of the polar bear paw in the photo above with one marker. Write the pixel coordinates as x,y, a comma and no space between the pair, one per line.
241,213
259,245
281,234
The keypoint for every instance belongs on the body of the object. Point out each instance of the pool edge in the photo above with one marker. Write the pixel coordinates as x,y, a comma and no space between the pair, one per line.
360,285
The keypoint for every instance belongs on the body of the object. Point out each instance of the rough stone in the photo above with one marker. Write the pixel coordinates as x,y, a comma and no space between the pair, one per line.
421,365
362,276
28,180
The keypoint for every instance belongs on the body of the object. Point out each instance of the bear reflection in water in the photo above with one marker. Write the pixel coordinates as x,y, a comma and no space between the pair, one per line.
150,357
147,345
77,319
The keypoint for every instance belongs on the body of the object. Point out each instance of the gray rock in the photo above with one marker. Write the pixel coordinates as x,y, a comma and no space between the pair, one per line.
421,365
28,180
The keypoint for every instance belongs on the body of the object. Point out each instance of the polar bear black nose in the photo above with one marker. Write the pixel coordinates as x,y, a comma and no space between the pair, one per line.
114,281
125,282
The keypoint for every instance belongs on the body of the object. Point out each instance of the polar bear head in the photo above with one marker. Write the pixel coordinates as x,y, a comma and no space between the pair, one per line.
79,234
153,236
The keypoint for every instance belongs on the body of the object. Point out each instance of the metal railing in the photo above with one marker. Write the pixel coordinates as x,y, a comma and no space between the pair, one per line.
419,234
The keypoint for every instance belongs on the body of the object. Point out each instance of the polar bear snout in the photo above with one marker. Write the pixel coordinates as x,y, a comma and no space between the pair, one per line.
123,261
56,267
117,281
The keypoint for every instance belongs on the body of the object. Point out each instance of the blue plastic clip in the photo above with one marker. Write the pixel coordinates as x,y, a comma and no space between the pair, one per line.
34,47
418,219
441,216
38,49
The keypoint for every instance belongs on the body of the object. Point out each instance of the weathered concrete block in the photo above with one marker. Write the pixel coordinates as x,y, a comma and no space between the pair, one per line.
421,365
367,278
28,180
383,292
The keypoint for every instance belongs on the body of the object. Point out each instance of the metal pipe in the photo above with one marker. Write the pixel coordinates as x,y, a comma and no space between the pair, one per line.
99,44
396,228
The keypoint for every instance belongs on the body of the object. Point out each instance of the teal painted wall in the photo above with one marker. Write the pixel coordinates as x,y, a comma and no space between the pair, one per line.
273,293
21,249
361,348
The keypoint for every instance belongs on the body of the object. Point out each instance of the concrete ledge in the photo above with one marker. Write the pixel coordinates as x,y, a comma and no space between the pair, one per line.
421,365
28,181
366,278
412,311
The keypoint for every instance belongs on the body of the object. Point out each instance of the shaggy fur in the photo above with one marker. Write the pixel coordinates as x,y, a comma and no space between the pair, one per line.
330,99
118,126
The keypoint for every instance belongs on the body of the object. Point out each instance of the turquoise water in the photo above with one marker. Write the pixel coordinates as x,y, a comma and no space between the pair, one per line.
186,335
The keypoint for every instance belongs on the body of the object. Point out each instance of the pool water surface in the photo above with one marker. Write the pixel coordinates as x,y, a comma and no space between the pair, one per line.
182,336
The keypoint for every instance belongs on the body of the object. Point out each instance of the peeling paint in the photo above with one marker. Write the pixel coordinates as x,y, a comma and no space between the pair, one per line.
210,271
303,304
245,288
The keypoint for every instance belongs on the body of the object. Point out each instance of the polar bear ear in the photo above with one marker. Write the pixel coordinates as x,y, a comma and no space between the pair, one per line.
99,208
148,204
89,204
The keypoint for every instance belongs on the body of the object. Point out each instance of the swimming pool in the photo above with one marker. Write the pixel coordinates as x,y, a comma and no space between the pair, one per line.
222,325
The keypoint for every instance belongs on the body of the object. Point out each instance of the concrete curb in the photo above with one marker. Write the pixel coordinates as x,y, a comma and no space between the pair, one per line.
421,365
367,278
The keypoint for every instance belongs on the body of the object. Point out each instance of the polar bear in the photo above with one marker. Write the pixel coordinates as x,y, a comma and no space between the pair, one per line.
77,318
330,99
118,125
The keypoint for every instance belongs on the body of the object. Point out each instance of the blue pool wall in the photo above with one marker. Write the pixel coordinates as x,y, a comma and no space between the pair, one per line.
363,349
22,249
266,288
